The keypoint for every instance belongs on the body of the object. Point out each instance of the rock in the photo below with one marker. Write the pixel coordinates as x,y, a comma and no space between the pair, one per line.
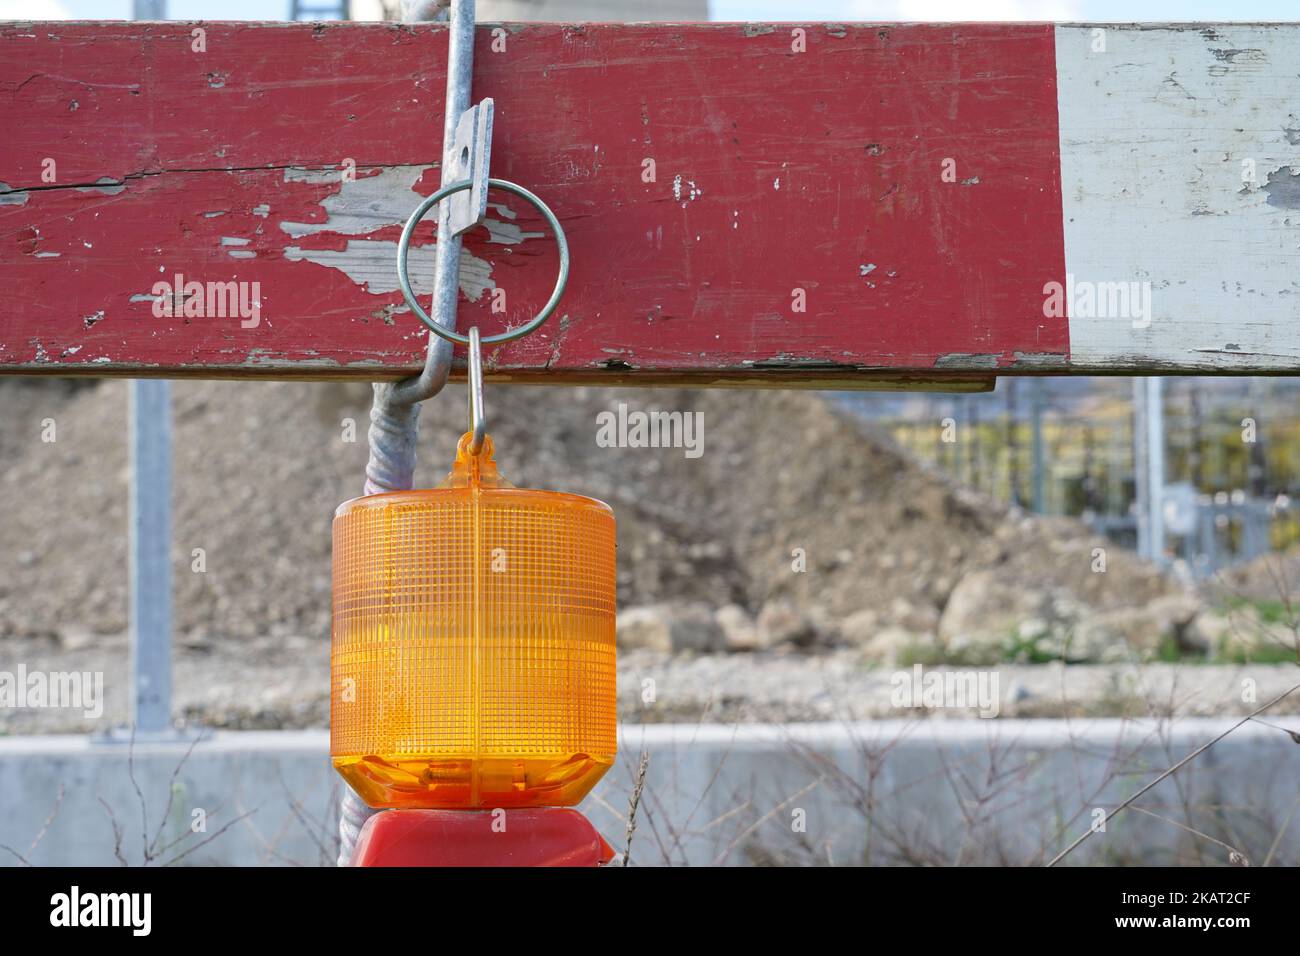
913,617
985,612
1120,633
1033,629
670,628
780,622
739,631
929,501
887,644
1209,632
645,627
897,645
859,628
72,638
1240,634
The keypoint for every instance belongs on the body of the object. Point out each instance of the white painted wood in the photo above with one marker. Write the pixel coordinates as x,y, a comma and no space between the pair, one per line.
1180,167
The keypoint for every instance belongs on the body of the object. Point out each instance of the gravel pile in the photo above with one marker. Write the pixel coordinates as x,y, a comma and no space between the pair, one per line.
259,469
785,481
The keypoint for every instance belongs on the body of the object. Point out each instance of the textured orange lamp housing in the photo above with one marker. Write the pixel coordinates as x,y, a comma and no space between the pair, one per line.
473,643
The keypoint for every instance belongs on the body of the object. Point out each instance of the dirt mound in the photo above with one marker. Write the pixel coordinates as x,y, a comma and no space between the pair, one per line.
260,467
1272,578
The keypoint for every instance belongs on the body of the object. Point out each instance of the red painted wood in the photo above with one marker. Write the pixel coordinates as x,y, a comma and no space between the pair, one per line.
776,170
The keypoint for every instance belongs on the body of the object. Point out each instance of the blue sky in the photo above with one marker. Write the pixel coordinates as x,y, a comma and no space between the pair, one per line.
808,10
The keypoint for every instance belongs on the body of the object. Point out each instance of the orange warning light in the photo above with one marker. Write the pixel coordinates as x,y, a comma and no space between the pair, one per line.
473,643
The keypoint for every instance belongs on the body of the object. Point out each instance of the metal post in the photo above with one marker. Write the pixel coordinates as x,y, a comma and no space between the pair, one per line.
1156,465
1013,448
1149,458
973,446
150,530
150,560
1036,419
1196,452
1256,457
1140,475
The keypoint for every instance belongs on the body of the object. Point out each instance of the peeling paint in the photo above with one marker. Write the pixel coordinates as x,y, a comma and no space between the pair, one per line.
361,205
691,191
508,233
1283,187
967,360
297,174
1041,359
1245,56
104,186
12,197
369,262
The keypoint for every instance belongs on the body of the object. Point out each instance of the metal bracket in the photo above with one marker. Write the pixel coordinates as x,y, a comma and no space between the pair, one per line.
470,158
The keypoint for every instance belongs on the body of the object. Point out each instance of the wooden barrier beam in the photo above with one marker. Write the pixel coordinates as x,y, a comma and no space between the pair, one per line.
888,205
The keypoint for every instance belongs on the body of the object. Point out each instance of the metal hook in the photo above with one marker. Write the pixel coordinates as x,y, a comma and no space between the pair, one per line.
477,414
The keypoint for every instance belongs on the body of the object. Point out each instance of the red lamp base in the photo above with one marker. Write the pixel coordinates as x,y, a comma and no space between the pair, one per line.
549,836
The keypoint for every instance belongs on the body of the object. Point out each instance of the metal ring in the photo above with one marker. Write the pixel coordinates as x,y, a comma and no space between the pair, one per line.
403,249
477,414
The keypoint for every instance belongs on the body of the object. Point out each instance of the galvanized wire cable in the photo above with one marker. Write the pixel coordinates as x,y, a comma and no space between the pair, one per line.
353,814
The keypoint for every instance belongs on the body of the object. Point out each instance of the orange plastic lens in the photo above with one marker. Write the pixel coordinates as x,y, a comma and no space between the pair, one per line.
473,653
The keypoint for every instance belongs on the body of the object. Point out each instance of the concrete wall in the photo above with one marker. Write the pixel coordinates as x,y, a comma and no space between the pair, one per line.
937,791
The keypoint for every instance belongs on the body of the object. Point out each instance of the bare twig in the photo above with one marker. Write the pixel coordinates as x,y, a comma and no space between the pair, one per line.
1234,854
144,809
1172,770
634,802
22,859
1268,858
763,819
171,796
204,842
40,834
1295,737
117,831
